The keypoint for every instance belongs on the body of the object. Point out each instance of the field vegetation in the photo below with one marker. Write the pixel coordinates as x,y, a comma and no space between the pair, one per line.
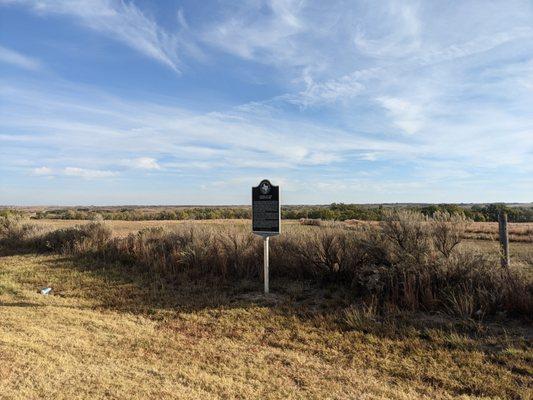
403,308
408,261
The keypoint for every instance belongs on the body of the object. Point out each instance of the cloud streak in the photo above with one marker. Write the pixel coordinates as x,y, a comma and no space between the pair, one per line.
17,59
85,173
88,173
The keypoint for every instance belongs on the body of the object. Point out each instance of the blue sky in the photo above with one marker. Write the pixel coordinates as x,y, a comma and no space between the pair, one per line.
188,102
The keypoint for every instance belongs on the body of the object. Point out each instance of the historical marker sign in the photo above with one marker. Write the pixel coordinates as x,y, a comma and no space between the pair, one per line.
266,209
266,217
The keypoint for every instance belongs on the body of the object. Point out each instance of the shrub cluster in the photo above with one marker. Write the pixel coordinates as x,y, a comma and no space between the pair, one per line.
15,231
408,261
91,238
192,250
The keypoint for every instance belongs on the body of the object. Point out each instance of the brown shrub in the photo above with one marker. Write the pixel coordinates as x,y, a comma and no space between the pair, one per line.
447,231
311,221
16,231
91,238
193,250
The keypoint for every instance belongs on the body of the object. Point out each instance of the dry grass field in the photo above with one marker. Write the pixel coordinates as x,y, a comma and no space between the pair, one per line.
479,235
110,331
518,232
103,335
123,228
476,230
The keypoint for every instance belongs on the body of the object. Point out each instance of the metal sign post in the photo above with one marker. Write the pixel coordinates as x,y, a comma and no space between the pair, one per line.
266,217
265,262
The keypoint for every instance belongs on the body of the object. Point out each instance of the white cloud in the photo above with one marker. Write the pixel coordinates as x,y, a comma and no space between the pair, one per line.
475,46
269,37
400,39
371,156
146,163
42,171
328,92
406,115
73,171
88,173
12,57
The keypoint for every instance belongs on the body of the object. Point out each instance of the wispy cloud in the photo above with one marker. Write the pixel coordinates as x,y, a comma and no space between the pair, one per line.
232,138
123,21
242,33
88,173
17,59
85,173
401,39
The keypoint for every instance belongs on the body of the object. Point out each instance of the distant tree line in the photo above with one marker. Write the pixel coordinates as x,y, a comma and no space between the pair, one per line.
482,213
342,212
196,213
335,212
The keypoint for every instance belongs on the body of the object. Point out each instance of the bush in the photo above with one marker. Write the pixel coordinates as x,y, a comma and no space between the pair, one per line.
81,239
15,232
196,251
310,221
447,231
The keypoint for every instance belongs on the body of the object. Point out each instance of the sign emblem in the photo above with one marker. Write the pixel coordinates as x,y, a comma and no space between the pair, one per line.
265,187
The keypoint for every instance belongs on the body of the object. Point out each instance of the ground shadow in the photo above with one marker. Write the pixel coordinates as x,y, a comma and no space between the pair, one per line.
23,304
129,288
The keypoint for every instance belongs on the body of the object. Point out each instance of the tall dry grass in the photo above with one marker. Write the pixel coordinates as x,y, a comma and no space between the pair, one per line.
408,261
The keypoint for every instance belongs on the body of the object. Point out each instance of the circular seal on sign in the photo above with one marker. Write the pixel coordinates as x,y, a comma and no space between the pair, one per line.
264,188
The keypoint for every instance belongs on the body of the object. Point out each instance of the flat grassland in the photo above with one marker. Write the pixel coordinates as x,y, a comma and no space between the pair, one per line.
480,235
105,333
518,232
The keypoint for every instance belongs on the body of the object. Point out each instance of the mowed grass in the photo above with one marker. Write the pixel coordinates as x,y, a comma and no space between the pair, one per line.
106,333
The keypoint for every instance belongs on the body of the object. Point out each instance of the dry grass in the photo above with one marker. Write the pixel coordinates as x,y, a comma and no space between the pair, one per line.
107,333
475,231
410,261
124,228
518,232
176,313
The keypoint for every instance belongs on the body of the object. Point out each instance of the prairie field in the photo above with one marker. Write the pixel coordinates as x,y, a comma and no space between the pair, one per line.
518,232
479,235
179,313
124,228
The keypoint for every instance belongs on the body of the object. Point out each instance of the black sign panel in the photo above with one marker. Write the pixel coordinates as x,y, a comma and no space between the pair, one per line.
265,209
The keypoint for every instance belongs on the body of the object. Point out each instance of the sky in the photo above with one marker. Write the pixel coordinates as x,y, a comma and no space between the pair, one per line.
193,102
